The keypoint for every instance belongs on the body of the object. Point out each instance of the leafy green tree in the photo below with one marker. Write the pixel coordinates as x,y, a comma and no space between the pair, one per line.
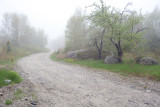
98,27
96,39
124,28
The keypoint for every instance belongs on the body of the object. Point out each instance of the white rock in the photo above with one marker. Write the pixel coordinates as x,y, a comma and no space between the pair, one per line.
148,91
7,81
1,94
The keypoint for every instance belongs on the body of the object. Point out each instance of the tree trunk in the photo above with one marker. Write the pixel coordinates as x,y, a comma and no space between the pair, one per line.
120,54
99,54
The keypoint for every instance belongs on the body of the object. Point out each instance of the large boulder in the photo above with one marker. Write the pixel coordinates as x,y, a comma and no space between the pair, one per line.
76,54
148,61
111,60
71,54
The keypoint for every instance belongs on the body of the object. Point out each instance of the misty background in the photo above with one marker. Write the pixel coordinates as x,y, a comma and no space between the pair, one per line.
52,16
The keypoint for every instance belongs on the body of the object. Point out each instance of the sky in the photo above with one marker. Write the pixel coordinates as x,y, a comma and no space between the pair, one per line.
52,15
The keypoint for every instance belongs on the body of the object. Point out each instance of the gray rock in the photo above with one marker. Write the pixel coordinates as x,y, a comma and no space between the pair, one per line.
33,102
71,54
131,101
75,54
148,61
110,60
7,81
146,103
106,100
148,91
1,94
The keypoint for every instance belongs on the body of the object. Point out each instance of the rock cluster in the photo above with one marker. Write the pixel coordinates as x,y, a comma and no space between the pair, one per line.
81,54
110,60
148,61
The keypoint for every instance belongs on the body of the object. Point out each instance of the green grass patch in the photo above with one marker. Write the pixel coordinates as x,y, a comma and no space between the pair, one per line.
125,68
9,75
19,94
34,97
8,102
10,58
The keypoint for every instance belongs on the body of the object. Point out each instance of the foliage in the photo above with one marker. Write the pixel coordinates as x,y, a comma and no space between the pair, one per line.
97,27
75,32
96,39
8,101
123,27
10,75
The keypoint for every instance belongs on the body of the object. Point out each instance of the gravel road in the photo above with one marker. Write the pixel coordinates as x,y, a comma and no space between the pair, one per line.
65,85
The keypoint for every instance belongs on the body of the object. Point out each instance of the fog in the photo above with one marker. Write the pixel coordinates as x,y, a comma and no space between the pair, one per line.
52,15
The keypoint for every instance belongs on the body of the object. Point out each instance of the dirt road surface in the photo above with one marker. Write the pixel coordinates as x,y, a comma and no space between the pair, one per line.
65,85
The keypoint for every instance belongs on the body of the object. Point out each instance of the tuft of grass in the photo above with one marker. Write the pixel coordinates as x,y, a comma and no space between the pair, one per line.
9,75
19,94
34,97
125,68
8,101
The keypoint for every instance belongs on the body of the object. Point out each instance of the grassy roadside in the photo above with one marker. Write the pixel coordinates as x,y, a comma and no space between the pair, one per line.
9,75
126,68
8,61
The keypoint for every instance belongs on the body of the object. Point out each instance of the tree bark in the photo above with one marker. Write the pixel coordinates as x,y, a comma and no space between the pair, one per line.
99,54
120,54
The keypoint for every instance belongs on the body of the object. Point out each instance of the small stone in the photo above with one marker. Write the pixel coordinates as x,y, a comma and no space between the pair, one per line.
146,103
142,83
106,100
132,86
148,91
7,81
1,94
87,95
130,101
142,89
33,102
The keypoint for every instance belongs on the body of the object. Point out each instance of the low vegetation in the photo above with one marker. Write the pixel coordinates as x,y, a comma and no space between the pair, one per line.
19,94
8,102
125,68
9,75
7,61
